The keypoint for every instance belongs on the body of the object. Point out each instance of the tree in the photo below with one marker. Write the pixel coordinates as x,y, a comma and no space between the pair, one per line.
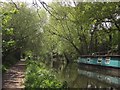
21,30
82,28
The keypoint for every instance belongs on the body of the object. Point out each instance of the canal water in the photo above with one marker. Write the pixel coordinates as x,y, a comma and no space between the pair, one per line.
77,76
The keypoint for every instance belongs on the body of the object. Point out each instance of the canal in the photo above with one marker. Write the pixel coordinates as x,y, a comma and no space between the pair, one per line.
82,76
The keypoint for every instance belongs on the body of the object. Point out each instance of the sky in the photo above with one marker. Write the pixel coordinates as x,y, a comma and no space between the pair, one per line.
47,1
29,1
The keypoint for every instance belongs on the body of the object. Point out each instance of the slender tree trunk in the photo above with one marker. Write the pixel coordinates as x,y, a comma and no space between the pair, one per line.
110,41
119,42
91,44
66,57
96,44
76,48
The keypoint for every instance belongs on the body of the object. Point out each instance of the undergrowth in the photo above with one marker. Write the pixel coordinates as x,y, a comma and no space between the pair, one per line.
38,76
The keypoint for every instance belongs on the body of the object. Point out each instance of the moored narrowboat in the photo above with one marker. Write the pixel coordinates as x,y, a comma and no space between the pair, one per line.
101,60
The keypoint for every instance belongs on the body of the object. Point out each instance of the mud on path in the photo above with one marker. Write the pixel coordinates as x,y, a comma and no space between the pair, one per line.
14,77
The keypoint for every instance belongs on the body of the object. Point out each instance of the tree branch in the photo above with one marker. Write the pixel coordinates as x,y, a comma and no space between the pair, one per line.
15,5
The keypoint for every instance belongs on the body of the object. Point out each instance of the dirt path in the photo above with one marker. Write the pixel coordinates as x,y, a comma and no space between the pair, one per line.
14,77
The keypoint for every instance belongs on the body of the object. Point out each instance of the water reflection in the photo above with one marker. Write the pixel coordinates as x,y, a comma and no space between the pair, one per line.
77,77
101,77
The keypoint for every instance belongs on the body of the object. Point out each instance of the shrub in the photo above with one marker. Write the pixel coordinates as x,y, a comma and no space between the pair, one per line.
37,76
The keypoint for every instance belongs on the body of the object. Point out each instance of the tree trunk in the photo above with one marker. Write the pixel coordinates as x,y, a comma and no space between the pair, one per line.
77,49
91,44
66,57
96,44
119,43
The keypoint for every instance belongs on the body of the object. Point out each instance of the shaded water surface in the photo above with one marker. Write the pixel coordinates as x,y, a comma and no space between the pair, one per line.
78,76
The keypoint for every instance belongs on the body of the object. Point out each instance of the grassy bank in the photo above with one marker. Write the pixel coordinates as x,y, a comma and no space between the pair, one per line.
38,76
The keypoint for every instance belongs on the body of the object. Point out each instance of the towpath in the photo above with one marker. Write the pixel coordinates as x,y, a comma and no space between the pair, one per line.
14,77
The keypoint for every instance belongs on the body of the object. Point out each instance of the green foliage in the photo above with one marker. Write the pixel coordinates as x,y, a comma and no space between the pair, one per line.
37,76
20,30
80,29
67,31
7,32
19,27
3,68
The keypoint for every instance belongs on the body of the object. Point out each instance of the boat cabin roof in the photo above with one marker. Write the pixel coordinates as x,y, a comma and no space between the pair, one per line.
87,56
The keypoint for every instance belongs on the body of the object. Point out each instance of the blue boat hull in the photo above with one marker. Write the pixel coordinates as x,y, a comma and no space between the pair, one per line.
113,62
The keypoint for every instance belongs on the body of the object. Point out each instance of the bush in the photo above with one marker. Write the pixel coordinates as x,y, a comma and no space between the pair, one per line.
3,69
37,76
